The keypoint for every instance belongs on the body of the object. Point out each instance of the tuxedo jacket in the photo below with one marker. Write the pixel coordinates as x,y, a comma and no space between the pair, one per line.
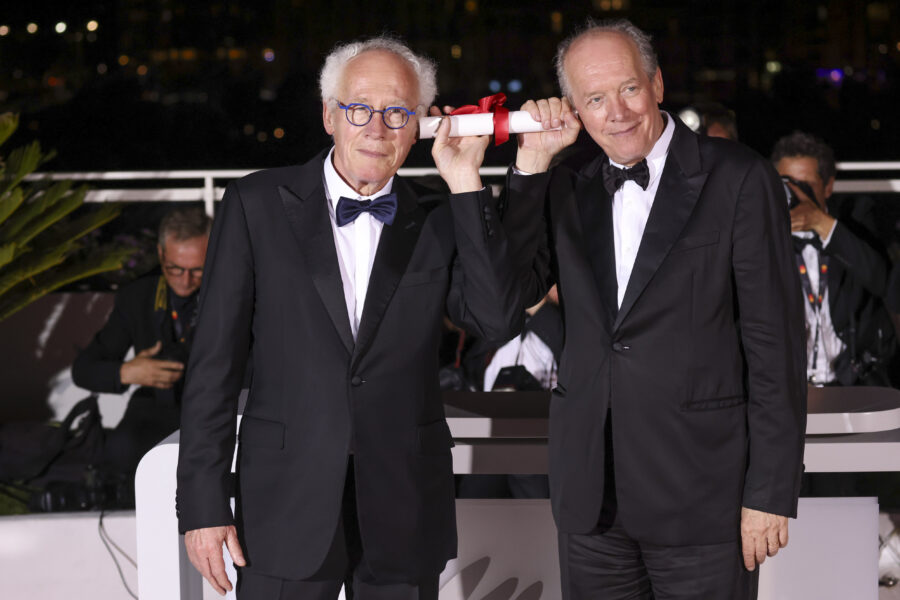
272,282
857,285
701,369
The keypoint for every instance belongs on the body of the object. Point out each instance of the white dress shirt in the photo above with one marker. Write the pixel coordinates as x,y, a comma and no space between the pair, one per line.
830,345
631,208
355,242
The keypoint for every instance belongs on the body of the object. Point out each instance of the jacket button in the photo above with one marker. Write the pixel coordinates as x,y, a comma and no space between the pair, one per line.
618,347
356,380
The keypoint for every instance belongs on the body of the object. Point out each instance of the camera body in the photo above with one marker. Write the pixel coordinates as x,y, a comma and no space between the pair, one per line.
792,198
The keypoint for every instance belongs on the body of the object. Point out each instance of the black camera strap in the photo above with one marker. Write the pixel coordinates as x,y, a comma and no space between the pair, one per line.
814,297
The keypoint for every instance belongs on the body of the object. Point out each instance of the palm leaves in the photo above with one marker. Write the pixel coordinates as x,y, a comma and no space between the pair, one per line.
40,238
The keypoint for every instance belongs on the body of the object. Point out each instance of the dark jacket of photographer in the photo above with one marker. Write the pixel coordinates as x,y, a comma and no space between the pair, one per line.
141,316
857,284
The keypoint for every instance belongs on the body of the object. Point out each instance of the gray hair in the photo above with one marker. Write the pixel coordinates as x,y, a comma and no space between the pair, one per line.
335,63
184,224
592,27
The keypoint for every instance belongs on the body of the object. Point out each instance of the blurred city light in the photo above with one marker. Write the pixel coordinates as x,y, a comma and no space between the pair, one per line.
31,28
4,30
456,51
92,25
773,66
514,86
278,133
61,27
494,85
268,55
123,60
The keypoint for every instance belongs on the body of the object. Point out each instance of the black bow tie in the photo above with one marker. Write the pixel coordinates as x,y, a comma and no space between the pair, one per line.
802,242
614,177
383,208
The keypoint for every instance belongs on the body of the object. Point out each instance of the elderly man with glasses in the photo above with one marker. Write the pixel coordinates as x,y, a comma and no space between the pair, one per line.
335,275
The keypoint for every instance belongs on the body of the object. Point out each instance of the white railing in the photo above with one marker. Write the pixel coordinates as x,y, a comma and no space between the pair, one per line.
208,186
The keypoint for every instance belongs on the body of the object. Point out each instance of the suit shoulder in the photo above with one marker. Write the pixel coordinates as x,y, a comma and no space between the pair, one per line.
717,152
267,178
138,292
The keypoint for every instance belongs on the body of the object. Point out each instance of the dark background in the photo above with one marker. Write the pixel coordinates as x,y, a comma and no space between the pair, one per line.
170,84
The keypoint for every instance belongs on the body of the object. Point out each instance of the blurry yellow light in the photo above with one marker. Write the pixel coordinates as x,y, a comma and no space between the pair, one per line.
456,51
876,124
32,28
471,5
278,133
60,27
123,60
773,66
92,25
142,70
4,30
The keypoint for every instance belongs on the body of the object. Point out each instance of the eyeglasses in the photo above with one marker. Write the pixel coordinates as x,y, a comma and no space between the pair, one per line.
176,271
394,117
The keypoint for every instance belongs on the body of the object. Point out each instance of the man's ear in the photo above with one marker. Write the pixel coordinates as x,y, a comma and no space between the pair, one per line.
829,187
658,87
327,118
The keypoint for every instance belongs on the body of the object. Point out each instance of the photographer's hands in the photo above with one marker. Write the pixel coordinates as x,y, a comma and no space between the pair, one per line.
808,216
147,371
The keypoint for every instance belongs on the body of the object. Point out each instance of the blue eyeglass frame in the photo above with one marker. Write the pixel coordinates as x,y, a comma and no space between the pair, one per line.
372,111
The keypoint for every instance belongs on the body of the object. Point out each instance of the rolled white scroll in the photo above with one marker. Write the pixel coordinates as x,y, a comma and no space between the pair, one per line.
520,121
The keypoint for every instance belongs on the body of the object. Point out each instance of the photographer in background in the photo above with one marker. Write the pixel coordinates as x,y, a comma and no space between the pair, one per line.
844,278
154,315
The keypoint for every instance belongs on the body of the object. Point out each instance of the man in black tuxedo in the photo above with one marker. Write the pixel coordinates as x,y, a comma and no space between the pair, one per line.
850,338
677,426
155,316
336,274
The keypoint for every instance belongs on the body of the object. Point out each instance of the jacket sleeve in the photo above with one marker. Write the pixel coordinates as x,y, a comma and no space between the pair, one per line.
215,372
772,334
860,260
96,368
486,294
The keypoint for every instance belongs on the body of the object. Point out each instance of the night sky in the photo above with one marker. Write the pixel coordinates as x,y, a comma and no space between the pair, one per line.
175,85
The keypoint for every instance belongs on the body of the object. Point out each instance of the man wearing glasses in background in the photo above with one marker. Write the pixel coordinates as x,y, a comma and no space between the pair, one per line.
336,274
155,316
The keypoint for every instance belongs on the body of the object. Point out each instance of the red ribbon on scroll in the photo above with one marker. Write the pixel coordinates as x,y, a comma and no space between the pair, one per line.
492,104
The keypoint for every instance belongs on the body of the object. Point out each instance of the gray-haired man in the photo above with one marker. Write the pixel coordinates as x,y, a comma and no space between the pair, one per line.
337,274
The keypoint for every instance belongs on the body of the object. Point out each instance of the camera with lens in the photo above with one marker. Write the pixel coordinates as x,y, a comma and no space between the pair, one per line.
804,187
95,491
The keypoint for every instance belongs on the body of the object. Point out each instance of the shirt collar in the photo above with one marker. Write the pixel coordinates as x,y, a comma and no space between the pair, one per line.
335,186
656,160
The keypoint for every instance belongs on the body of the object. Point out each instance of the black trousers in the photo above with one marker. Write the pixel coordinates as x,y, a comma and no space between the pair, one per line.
345,564
608,563
613,566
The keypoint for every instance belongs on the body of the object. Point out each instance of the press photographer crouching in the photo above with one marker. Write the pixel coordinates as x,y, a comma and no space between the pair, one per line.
850,338
154,315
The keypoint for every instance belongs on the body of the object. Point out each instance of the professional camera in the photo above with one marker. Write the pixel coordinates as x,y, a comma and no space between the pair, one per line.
98,490
804,187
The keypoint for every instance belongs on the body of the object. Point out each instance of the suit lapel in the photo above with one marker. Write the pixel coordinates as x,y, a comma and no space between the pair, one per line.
305,205
595,209
395,247
678,192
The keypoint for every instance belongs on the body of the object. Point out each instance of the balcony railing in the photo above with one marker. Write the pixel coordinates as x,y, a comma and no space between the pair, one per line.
207,186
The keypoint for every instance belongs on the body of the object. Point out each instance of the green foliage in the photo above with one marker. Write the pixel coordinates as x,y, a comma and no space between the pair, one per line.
40,237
